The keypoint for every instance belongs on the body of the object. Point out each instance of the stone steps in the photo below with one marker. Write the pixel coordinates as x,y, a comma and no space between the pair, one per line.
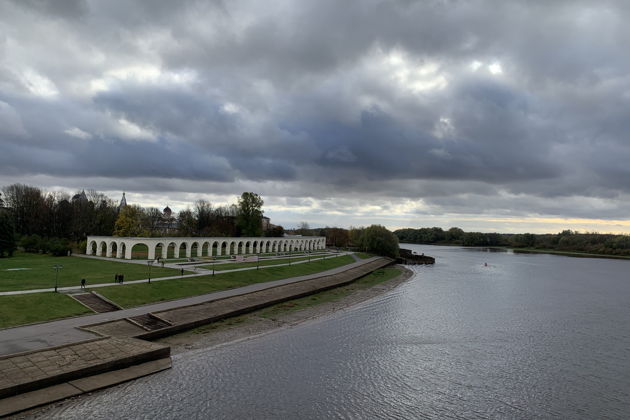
149,322
95,302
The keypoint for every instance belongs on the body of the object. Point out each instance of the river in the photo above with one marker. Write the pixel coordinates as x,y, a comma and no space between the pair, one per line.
528,336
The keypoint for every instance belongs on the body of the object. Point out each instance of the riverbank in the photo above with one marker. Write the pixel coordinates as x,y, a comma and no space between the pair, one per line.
289,313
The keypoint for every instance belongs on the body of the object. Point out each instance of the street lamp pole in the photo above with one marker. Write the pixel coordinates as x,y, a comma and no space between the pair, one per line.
149,263
57,267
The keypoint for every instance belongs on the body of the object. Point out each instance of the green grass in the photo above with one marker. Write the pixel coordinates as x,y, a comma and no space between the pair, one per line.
37,307
363,255
295,305
132,295
372,279
261,263
40,273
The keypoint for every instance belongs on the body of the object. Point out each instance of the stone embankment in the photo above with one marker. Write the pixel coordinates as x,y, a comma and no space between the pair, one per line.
40,377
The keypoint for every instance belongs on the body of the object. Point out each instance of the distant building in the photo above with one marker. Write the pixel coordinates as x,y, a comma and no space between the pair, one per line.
123,202
266,223
168,222
80,197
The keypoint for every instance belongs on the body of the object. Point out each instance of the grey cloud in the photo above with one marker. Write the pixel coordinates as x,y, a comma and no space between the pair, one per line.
300,100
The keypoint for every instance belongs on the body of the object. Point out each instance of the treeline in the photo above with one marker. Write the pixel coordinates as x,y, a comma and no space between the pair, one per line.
566,241
374,239
55,214
55,222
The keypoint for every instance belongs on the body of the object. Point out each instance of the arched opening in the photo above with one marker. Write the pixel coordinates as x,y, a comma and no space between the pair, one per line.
239,248
113,249
268,247
248,247
93,248
123,249
159,249
139,252
224,248
182,250
102,249
194,250
170,250
215,249
205,249
232,248
254,249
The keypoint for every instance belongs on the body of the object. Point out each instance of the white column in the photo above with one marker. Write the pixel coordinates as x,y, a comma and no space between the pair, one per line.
128,248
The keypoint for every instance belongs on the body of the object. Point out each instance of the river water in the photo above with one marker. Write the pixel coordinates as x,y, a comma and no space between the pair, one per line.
528,336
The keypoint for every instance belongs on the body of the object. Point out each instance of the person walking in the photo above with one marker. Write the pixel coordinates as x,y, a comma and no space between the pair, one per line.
82,283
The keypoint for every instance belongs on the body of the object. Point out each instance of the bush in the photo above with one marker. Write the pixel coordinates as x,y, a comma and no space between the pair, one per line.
58,247
30,243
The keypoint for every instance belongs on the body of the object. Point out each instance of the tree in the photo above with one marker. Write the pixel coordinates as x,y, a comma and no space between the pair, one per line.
204,216
187,223
7,233
130,222
249,218
378,240
152,220
337,237
276,231
304,229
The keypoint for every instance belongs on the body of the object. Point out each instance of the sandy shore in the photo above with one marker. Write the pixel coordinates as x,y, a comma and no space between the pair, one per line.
253,324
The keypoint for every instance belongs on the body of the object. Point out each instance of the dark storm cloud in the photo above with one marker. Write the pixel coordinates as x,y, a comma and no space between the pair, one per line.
516,103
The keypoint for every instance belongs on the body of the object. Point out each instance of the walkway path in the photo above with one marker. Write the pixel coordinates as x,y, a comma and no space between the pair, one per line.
64,331
198,272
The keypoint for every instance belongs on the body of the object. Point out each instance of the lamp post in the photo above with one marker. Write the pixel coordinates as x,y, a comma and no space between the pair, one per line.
57,267
150,263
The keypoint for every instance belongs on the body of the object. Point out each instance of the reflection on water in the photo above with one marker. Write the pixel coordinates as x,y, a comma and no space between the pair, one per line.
527,336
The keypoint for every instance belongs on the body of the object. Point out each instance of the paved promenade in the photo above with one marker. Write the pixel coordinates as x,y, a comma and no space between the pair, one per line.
55,333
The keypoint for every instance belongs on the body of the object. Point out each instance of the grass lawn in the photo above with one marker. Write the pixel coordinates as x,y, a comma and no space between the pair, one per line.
39,273
37,307
132,295
261,263
363,255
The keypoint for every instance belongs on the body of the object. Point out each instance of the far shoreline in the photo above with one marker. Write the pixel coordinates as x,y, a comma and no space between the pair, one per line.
575,254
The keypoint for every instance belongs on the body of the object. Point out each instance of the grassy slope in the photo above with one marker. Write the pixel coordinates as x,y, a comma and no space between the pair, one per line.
37,307
42,275
139,294
363,255
294,305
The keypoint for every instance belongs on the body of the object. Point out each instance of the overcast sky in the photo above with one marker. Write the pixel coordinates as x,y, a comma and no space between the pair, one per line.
487,115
